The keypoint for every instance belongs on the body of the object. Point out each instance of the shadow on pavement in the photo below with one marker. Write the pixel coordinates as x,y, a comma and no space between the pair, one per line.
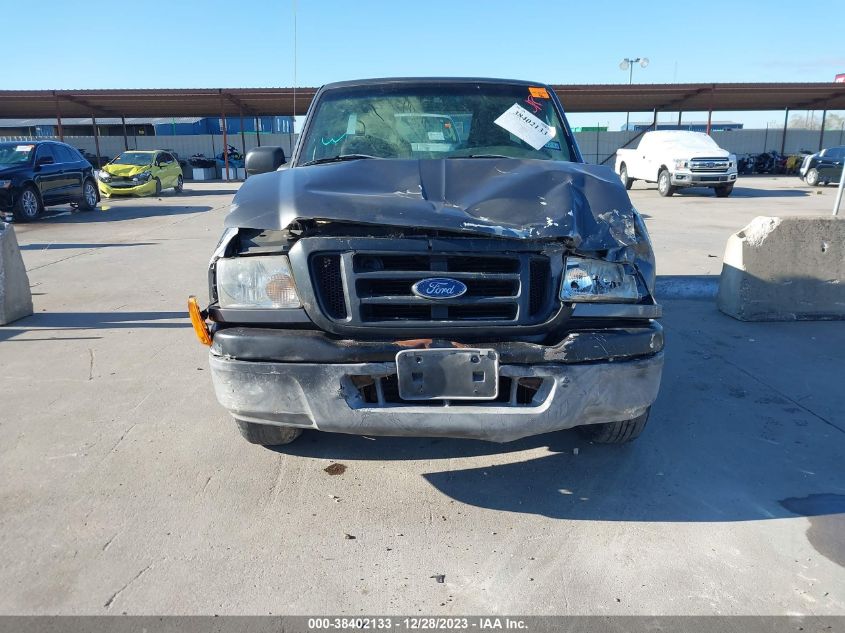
110,212
51,246
206,192
70,321
745,192
735,435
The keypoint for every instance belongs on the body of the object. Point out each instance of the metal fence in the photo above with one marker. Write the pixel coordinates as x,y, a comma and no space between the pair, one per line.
598,146
185,145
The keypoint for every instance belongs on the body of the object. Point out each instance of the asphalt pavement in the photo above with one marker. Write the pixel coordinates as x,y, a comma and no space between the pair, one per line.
125,488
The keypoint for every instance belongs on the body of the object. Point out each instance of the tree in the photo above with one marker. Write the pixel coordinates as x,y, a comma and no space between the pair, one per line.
813,121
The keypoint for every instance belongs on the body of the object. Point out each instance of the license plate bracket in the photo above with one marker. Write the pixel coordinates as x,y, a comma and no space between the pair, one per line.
448,374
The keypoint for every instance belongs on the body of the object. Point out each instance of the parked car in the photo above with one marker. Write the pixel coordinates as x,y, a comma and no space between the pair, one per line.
38,174
823,167
140,173
495,288
675,159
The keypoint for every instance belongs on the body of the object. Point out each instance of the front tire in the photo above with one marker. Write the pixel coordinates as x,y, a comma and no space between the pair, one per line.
267,434
29,205
158,187
724,191
89,196
812,177
180,184
623,176
616,432
664,183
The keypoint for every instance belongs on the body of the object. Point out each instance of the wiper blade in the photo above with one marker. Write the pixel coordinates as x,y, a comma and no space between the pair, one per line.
482,156
336,159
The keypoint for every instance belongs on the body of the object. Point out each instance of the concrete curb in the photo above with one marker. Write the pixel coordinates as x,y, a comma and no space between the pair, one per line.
15,296
686,287
785,269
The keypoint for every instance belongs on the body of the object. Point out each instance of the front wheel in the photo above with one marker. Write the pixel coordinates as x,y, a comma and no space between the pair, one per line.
623,176
158,187
180,184
812,177
664,184
267,434
89,196
28,206
616,432
724,191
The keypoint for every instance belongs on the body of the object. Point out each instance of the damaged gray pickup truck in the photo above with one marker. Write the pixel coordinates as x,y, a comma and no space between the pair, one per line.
436,259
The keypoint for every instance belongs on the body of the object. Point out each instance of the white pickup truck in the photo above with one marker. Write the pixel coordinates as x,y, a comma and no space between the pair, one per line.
676,159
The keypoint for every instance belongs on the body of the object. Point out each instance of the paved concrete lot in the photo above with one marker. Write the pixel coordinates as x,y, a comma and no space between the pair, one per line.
124,487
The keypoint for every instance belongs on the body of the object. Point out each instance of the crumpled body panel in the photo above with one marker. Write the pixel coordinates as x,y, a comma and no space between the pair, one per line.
585,206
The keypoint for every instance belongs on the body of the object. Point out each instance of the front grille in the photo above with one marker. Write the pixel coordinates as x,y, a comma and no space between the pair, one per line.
502,288
709,164
383,391
326,272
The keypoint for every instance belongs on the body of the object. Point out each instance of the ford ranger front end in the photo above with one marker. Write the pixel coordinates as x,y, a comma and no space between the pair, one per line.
480,281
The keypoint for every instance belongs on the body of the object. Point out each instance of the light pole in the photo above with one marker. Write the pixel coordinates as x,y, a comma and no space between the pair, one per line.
628,64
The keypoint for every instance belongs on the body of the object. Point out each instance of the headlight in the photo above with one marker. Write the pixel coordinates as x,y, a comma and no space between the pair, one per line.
597,280
5,184
104,175
680,163
144,176
256,282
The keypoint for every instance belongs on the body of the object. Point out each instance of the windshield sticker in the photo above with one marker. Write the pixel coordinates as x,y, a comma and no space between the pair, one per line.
534,105
521,123
24,148
538,93
552,145
436,136
352,124
430,147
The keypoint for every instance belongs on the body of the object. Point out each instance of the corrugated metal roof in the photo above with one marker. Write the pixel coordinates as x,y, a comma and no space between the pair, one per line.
100,121
281,101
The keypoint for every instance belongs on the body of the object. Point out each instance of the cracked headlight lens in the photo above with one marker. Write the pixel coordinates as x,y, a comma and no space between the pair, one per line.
598,280
256,282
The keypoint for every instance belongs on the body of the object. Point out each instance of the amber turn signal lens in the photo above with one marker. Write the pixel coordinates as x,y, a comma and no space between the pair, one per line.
197,320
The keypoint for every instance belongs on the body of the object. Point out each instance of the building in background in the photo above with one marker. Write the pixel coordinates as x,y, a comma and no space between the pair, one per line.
137,126
692,126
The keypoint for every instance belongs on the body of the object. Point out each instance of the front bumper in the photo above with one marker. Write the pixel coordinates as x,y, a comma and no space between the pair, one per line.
589,377
702,179
145,189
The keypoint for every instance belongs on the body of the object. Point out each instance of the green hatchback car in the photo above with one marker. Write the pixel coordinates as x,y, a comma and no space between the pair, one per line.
140,173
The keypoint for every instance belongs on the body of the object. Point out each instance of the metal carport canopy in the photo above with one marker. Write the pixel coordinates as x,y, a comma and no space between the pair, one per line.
280,101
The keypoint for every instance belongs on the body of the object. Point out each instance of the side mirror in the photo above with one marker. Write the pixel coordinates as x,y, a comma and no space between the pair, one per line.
261,160
45,160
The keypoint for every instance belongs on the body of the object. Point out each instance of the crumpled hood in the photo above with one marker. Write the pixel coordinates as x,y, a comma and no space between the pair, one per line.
584,205
125,170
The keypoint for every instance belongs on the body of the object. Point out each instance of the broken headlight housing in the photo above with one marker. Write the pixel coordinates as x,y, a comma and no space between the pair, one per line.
597,280
256,282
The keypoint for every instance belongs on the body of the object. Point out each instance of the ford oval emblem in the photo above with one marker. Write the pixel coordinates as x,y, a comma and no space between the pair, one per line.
439,288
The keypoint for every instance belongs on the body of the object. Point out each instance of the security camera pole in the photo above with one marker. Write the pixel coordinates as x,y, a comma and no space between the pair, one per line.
628,64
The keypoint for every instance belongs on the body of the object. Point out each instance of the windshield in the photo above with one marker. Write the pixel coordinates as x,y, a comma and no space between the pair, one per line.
16,153
427,121
134,158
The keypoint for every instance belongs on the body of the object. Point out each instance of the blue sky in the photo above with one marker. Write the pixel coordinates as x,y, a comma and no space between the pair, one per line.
249,43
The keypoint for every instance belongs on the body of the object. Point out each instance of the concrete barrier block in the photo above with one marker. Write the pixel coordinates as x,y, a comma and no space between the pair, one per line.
15,296
785,269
